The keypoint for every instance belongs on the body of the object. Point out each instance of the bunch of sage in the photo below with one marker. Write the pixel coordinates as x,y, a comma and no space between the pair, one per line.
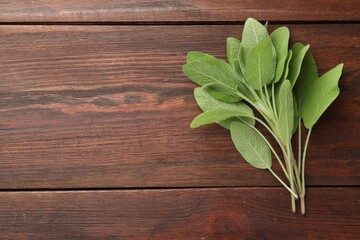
281,84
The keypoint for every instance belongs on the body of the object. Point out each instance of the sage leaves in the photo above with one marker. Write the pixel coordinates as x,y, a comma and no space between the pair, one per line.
218,115
286,112
281,84
251,145
259,65
233,48
208,103
254,32
298,53
280,39
321,93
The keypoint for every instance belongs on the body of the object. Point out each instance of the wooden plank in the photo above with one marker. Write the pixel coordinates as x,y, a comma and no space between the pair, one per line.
108,106
177,11
237,213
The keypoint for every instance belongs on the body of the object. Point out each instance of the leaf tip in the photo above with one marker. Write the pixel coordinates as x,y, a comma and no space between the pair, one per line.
192,125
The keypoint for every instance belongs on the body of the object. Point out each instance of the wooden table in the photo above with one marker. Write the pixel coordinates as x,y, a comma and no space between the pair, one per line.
94,124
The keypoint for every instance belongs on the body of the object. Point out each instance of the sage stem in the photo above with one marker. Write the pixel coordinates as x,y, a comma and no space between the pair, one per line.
302,200
286,186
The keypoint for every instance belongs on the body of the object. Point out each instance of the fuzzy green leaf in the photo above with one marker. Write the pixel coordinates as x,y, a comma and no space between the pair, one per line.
280,39
220,65
220,70
251,145
232,50
217,115
259,67
208,103
286,67
322,92
222,93
237,69
253,33
224,71
286,112
296,115
298,54
194,56
241,60
218,82
308,74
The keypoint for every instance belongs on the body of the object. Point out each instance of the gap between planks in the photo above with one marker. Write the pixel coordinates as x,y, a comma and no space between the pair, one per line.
134,189
180,23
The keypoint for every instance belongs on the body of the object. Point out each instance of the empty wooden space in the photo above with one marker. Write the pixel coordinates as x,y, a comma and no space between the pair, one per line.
130,11
94,124
234,213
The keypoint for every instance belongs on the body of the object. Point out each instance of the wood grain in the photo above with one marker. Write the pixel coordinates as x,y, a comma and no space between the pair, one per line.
234,213
108,106
177,10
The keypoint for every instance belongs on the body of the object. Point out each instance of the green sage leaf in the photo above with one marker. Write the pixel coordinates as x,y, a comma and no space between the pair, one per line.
221,93
218,82
259,67
208,103
217,115
226,76
286,112
251,145
232,50
194,56
296,115
241,60
204,73
286,68
298,53
220,65
253,33
280,39
308,74
322,92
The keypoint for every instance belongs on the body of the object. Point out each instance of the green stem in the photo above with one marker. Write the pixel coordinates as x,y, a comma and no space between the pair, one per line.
246,99
302,199
303,160
272,133
297,174
262,95
299,146
253,92
273,99
260,109
293,194
267,98
291,171
264,111
302,204
258,99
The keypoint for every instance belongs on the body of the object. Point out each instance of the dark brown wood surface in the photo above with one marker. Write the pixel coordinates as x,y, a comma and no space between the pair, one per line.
177,10
94,124
233,213
108,106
